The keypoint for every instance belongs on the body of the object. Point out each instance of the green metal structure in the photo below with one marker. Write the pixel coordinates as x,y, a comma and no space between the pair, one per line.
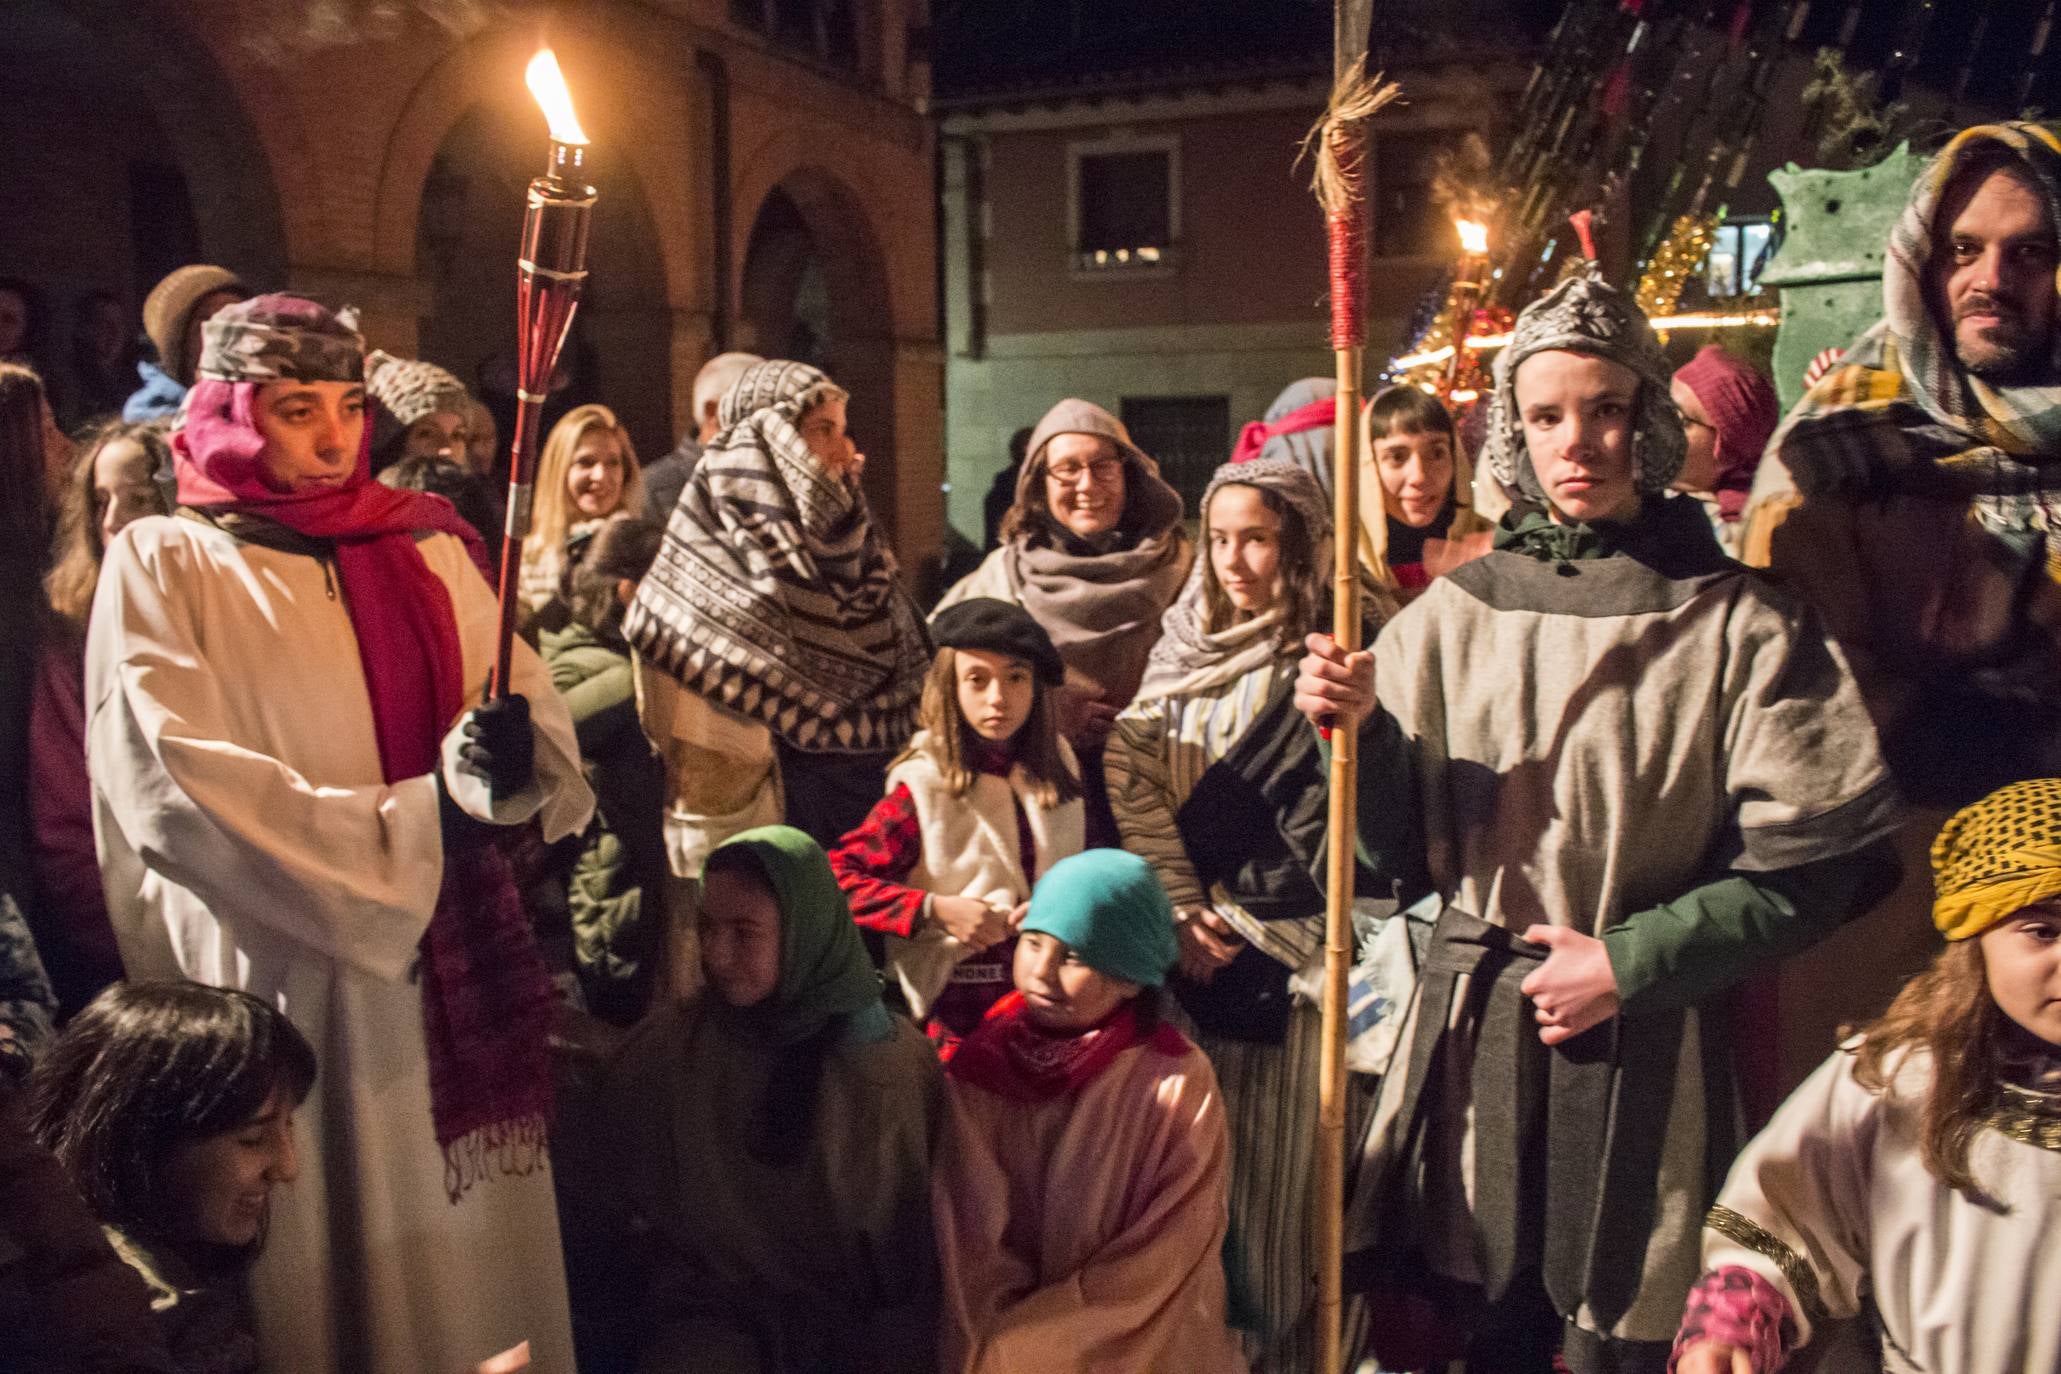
1829,267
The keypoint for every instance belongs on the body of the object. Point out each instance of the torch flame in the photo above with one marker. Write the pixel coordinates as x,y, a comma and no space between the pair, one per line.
547,84
1473,236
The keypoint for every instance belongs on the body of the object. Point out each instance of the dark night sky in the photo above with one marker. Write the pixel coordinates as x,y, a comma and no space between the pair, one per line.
991,46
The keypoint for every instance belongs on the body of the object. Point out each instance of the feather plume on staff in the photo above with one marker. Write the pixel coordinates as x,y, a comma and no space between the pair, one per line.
1339,143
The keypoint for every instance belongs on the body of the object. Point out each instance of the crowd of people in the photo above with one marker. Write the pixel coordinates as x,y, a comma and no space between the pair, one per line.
783,977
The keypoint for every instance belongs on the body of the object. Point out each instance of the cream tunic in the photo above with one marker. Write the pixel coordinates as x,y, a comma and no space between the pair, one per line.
247,840
1832,1202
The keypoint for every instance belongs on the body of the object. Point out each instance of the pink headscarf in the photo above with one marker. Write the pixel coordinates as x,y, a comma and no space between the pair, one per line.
414,639
1743,409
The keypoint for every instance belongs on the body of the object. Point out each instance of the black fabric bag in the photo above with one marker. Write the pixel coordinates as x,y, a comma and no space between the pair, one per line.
1250,824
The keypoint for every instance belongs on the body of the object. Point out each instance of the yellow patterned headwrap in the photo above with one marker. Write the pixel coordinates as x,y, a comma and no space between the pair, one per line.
1997,857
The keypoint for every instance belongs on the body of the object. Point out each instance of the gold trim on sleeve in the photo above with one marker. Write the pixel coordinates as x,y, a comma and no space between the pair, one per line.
1803,1280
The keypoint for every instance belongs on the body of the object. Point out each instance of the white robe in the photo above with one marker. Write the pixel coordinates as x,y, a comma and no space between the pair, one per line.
1833,1197
247,839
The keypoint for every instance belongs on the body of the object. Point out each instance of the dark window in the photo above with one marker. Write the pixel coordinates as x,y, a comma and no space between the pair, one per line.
822,29
1407,222
1190,436
1126,209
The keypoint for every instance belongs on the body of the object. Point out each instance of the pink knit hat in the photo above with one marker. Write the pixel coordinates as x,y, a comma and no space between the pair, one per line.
1744,412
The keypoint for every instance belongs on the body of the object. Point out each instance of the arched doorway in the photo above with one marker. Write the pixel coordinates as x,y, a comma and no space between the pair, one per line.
130,157
814,288
467,231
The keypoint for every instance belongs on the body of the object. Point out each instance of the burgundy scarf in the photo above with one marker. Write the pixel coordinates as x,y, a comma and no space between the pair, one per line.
486,992
1011,1056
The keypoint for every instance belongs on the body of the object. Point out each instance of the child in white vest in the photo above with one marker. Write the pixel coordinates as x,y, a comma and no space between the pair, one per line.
986,797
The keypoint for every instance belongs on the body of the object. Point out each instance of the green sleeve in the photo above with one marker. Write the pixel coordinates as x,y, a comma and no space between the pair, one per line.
1705,941
602,706
1391,838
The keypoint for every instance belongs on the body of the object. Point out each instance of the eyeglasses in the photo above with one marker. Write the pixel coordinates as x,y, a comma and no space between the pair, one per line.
1103,471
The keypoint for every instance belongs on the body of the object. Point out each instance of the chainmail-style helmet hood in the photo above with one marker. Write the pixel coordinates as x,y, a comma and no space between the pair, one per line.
1586,314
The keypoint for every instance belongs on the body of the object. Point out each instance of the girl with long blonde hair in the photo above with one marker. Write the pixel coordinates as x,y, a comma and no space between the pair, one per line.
588,472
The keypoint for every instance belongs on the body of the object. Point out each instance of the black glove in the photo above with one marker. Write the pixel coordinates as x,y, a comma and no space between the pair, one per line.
462,831
499,749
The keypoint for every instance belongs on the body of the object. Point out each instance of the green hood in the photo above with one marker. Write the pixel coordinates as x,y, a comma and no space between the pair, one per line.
824,971
1670,534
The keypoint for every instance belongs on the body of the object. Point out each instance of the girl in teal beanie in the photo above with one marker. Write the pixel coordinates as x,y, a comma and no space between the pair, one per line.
1079,1195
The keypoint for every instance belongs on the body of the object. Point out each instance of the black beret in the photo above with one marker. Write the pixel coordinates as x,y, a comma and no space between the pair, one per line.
999,627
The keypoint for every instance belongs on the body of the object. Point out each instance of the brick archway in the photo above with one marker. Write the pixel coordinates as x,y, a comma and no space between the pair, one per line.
811,227
200,112
468,130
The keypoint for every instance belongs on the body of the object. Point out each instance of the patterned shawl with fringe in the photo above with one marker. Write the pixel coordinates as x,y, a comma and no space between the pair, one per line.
774,595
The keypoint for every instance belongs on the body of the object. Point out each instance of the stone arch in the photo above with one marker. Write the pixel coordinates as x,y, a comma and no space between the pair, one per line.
206,150
812,278
469,223
449,214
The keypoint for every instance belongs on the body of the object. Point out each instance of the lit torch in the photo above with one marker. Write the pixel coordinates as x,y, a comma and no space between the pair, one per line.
1468,288
550,271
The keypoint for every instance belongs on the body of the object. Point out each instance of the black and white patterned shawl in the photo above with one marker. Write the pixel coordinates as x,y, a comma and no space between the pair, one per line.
773,595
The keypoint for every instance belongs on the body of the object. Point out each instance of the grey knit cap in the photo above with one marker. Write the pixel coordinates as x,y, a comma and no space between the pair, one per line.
1586,314
411,389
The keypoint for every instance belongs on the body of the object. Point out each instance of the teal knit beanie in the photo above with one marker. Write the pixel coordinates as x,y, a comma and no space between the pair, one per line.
1109,908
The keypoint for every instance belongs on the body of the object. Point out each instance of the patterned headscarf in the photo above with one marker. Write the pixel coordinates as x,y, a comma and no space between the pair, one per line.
1190,657
1586,314
281,338
1899,413
1997,857
774,595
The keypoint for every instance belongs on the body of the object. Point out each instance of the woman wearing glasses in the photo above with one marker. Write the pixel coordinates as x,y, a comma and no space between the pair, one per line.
1093,548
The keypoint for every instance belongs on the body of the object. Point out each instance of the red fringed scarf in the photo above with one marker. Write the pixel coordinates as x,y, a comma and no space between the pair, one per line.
486,992
1011,1056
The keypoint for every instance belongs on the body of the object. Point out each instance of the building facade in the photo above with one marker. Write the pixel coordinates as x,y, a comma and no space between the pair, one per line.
1149,242
766,179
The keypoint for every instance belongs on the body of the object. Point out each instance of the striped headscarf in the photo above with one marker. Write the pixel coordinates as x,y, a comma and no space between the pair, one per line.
1190,657
1997,857
774,595
1899,415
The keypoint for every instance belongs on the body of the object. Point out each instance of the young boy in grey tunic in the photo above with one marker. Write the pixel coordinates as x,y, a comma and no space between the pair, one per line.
1636,773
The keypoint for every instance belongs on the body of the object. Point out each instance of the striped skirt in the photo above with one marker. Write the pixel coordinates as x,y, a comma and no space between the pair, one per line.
1270,1099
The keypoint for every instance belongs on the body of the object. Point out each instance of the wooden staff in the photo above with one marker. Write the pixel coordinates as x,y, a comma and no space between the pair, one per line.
1340,141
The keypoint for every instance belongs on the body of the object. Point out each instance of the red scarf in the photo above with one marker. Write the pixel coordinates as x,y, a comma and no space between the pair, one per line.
1011,1056
486,992
1254,437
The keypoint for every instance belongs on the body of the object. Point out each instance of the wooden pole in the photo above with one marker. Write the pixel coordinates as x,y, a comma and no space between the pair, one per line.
1341,844
1340,140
